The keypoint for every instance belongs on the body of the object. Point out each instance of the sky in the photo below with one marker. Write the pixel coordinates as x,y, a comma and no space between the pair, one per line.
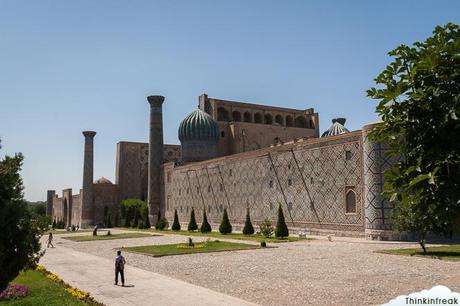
69,66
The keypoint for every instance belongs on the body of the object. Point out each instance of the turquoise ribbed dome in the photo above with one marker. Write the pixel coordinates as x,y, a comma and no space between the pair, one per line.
336,128
198,126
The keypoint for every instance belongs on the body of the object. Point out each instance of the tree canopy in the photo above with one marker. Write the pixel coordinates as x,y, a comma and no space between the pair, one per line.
418,97
19,235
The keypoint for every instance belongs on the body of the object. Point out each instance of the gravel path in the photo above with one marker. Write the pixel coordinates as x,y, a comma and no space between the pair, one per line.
318,272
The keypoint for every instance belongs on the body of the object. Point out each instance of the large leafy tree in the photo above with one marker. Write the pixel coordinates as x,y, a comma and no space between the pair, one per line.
19,235
419,102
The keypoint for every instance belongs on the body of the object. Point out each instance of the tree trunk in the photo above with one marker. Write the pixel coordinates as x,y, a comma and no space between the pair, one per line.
422,242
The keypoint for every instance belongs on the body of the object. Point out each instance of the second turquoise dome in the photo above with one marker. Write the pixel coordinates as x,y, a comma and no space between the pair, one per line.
198,125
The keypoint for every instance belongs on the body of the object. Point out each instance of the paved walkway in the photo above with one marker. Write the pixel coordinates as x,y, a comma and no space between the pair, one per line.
95,275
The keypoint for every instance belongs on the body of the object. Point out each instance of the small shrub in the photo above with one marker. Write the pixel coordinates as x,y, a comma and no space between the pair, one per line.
73,228
117,219
147,222
190,242
140,225
109,221
192,226
281,229
176,225
205,226
266,228
263,244
248,229
162,223
225,226
108,233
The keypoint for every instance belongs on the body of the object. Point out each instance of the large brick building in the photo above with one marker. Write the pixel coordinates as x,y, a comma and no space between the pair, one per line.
237,155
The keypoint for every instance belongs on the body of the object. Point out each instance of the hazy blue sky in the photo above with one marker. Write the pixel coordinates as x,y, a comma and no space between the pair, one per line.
67,66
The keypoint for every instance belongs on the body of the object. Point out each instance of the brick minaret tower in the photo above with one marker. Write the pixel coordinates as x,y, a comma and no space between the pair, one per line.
155,156
87,196
49,203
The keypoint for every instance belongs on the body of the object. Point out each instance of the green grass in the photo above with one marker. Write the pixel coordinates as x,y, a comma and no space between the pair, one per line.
449,252
110,237
60,232
172,249
218,235
41,292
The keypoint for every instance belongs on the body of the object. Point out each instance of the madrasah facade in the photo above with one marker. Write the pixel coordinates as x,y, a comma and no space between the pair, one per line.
234,156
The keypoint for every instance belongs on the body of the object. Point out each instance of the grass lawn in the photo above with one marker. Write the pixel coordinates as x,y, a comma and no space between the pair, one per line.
218,235
200,247
449,252
42,292
60,232
110,237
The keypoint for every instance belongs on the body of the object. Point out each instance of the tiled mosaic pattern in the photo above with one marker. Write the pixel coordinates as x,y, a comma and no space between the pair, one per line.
309,181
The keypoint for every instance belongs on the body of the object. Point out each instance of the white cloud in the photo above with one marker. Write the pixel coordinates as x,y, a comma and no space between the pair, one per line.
438,295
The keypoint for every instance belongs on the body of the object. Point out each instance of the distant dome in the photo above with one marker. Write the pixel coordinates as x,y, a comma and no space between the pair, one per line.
199,137
336,128
102,180
198,126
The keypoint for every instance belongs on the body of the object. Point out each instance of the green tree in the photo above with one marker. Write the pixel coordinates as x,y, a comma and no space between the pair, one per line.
192,226
117,219
131,210
205,226
176,224
248,229
419,101
225,226
266,228
162,223
281,229
19,235
109,220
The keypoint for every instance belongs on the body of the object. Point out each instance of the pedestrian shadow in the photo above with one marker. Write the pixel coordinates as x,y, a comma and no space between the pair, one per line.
128,286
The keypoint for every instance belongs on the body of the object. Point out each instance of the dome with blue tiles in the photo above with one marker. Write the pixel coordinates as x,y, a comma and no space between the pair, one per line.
199,126
199,137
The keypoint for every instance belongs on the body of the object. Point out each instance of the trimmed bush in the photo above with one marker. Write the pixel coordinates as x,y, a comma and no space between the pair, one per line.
266,228
147,222
248,229
140,225
109,221
192,226
205,226
117,219
281,229
225,227
162,223
176,224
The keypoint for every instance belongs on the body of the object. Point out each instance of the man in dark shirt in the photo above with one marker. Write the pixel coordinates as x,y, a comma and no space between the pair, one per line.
119,268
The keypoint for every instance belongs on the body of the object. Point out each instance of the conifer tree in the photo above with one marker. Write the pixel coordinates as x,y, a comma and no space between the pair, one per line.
117,219
248,228
192,226
225,226
281,229
205,226
161,222
176,224
109,221
147,221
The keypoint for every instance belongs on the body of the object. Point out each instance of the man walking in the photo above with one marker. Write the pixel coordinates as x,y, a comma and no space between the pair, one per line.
119,268
50,240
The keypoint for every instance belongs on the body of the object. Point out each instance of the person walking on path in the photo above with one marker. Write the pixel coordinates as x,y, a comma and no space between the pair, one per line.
50,240
119,268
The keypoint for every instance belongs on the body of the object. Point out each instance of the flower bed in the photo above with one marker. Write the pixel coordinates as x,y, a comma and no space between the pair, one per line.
75,292
14,291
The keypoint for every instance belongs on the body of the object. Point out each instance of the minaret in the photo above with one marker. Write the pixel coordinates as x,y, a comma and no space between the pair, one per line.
49,203
155,156
87,196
